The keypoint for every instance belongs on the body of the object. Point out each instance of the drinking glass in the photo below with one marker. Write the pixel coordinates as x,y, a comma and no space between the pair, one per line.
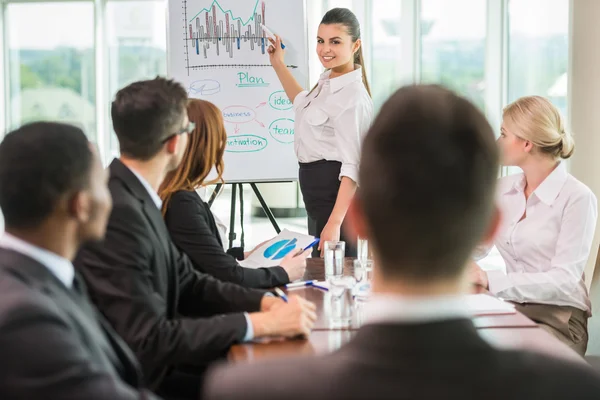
334,259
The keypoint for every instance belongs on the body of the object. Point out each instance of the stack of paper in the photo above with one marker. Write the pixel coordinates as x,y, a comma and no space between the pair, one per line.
483,304
478,304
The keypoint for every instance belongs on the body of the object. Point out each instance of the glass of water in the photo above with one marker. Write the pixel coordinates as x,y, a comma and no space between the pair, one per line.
341,301
368,266
334,254
362,249
362,273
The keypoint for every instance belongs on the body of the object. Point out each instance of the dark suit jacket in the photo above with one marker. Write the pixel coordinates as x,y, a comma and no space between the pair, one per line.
53,343
150,292
438,360
194,232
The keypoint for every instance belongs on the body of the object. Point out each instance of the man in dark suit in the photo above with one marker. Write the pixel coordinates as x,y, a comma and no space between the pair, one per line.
175,319
53,343
427,174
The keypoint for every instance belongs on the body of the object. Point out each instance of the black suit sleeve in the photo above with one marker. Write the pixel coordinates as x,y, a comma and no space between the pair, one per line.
216,296
188,222
42,358
141,309
236,252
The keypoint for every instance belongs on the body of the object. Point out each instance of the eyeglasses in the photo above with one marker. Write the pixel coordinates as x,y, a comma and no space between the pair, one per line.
188,129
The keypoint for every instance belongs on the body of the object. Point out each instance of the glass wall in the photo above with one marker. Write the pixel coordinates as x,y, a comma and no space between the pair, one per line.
386,46
538,50
52,51
137,45
51,63
453,45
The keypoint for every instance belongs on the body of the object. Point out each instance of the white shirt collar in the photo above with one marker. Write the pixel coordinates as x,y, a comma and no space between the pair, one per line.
396,308
59,266
155,197
551,186
549,189
339,82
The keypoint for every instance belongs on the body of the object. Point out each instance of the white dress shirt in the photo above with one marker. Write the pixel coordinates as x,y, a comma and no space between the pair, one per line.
155,197
546,252
157,200
413,310
59,266
331,122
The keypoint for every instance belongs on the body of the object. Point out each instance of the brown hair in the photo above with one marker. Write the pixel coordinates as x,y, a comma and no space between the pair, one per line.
428,176
144,113
347,18
204,151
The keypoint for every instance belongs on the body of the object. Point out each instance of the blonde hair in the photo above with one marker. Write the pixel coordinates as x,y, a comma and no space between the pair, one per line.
537,120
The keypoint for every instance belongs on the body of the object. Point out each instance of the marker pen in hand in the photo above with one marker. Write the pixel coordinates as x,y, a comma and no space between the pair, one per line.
271,34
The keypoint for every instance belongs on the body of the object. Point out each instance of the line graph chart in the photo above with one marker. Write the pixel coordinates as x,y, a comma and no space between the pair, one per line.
216,33
218,51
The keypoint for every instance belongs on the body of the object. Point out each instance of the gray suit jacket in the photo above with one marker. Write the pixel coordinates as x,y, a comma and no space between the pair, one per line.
53,343
441,360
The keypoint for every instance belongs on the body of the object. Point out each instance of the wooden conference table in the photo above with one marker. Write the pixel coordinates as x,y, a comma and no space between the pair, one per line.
514,331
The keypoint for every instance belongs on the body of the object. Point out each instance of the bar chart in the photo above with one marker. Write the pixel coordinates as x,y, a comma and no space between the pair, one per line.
215,31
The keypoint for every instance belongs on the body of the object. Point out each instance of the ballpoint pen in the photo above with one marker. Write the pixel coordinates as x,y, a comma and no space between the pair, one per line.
299,284
280,293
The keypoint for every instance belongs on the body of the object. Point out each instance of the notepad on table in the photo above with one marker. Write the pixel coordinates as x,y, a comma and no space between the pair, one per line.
484,304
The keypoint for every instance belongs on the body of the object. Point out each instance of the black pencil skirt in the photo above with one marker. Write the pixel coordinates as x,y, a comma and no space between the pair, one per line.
320,183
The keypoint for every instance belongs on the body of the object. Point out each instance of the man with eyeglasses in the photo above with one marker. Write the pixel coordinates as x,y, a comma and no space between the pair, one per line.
175,319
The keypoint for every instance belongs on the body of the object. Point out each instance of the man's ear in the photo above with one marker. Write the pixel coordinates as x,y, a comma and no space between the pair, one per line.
171,144
79,206
355,222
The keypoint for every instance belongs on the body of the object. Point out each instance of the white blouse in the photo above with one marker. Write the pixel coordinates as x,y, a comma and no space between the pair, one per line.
221,227
546,252
332,120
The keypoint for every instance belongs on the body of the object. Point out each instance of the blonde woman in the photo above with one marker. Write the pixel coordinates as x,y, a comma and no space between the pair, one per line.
548,223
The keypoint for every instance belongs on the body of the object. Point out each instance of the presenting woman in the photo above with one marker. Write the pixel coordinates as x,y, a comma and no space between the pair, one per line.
330,121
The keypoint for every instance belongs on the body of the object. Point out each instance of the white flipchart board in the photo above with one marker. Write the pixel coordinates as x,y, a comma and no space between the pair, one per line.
218,51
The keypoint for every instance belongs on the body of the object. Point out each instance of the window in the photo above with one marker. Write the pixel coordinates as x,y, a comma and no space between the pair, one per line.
136,45
51,60
453,46
329,4
386,50
538,50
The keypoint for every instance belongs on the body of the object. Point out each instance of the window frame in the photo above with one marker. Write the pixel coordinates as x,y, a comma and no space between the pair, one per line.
496,57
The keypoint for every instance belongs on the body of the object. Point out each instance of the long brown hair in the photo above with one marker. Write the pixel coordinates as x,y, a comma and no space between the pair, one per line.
205,149
347,18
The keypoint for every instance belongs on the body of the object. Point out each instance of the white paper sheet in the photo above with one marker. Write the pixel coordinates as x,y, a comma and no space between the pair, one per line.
478,304
483,304
272,252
